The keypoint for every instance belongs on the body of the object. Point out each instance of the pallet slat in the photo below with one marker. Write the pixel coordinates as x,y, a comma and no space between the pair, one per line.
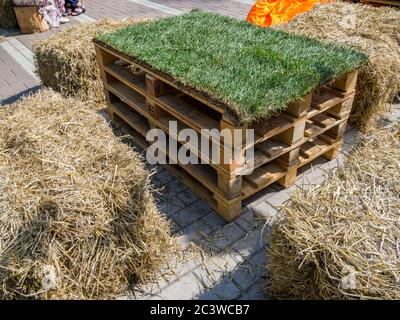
185,112
135,81
131,117
129,96
265,175
271,148
318,149
324,120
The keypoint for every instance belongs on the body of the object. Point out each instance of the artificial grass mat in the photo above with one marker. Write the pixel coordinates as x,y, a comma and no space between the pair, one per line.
256,72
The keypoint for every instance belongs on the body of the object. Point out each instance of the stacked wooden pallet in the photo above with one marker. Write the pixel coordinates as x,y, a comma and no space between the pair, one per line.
310,127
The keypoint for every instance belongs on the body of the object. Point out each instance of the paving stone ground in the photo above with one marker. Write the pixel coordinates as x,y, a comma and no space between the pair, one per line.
220,260
14,80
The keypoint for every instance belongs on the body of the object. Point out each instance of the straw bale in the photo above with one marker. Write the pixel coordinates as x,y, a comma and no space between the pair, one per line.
67,63
340,240
75,205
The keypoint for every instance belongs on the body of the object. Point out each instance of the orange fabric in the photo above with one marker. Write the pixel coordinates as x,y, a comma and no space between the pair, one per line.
267,13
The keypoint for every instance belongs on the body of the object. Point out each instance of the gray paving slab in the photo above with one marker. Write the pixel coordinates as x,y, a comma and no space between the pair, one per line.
188,287
14,79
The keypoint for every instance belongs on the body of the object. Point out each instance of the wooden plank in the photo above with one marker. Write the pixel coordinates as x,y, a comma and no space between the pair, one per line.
204,174
339,93
339,130
271,127
340,104
312,129
135,81
289,159
325,99
137,138
134,119
163,124
154,110
310,148
203,122
228,209
330,140
249,189
333,152
323,120
265,175
382,2
103,58
261,158
129,96
271,148
187,113
195,186
324,148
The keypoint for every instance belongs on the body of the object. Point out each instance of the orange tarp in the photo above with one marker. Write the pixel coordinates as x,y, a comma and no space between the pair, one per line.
267,13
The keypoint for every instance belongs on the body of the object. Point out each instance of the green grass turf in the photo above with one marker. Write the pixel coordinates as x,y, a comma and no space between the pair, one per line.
254,71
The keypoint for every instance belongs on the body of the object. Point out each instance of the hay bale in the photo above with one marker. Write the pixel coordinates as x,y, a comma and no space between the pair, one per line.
340,240
74,201
7,15
2,39
67,63
376,32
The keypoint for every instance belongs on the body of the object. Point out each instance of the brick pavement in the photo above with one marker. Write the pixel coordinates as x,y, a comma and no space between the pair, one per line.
220,260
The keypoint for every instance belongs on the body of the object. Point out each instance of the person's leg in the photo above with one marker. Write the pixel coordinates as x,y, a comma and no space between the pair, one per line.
77,7
68,8
72,3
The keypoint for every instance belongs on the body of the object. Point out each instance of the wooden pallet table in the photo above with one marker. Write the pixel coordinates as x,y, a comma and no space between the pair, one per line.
309,128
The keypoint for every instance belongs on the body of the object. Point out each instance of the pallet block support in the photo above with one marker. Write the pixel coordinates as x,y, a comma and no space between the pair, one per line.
290,158
299,108
231,187
228,209
290,178
338,131
293,134
342,109
347,82
155,87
